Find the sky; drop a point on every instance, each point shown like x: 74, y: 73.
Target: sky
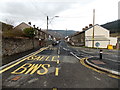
x: 73, y: 14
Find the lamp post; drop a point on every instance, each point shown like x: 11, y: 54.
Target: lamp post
x: 48, y: 20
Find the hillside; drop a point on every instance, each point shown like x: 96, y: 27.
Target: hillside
x: 61, y: 33
x: 113, y: 26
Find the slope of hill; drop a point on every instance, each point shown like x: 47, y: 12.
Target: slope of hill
x: 114, y: 26
x: 61, y: 33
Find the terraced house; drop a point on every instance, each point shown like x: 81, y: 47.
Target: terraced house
x: 101, y: 37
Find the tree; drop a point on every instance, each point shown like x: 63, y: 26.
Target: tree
x: 29, y: 32
x: 9, y: 21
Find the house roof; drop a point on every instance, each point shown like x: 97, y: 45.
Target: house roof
x: 22, y: 25
x: 85, y: 30
x: 76, y: 34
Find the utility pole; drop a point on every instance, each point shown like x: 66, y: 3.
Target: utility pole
x: 47, y: 22
x: 93, y: 28
x: 66, y: 31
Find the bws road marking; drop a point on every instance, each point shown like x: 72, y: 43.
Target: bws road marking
x: 38, y: 58
x: 44, y: 58
x: 29, y: 68
x: 10, y: 66
x: 40, y: 69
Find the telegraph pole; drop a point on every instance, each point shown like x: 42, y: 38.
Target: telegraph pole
x: 93, y: 28
x: 47, y: 22
x: 66, y: 31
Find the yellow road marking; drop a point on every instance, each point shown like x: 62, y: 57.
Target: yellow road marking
x: 54, y: 88
x: 58, y: 61
x: 44, y: 68
x: 1, y: 71
x: 5, y: 69
x: 41, y: 58
x: 82, y: 62
x: 47, y: 58
x: 53, y: 58
x: 23, y: 68
x: 33, y: 68
x: 37, y: 57
x: 56, y: 71
x: 29, y: 68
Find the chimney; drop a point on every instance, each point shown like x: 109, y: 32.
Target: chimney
x: 86, y: 27
x: 90, y: 25
x: 29, y: 23
x: 33, y: 26
x: 83, y: 29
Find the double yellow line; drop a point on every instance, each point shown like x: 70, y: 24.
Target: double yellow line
x: 7, y: 68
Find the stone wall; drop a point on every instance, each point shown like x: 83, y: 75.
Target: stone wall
x: 11, y: 46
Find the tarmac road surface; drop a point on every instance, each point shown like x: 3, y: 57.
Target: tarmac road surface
x: 54, y: 68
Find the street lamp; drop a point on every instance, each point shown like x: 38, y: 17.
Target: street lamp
x: 48, y: 20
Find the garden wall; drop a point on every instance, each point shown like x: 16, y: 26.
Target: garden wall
x: 12, y: 46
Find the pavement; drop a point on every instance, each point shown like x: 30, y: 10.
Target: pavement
x: 104, y: 65
x: 109, y: 63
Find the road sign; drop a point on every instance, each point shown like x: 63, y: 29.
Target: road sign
x: 97, y: 44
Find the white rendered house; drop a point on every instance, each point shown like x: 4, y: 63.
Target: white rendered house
x: 101, y: 37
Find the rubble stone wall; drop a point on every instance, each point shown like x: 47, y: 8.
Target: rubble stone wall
x: 12, y: 46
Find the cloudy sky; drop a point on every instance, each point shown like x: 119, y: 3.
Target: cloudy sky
x: 73, y: 14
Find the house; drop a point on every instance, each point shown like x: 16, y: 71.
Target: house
x: 101, y: 37
x: 5, y: 26
x: 22, y: 26
x: 77, y: 39
x: 42, y: 35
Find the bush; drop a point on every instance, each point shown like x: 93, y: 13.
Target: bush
x: 29, y: 32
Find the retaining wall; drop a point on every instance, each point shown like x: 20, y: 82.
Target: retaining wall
x: 12, y: 46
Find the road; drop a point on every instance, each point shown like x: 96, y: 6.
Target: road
x: 54, y: 68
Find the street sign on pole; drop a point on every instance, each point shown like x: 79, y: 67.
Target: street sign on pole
x: 97, y: 44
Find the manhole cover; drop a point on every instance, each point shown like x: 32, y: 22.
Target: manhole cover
x: 97, y: 62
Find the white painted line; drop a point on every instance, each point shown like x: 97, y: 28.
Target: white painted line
x: 78, y: 57
x: 58, y: 52
x: 97, y: 78
x: 86, y: 51
x: 65, y: 49
x: 75, y: 55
